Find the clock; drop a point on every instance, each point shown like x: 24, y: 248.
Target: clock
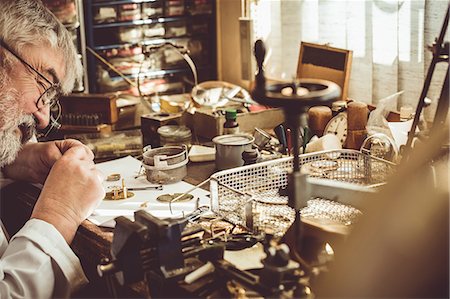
x: 338, y: 126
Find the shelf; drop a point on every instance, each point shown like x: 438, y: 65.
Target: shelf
x: 99, y: 39
x: 106, y: 3
x: 138, y: 22
x: 148, y: 42
x: 161, y: 73
x: 154, y: 74
x: 148, y: 21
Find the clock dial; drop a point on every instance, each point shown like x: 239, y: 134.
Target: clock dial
x: 338, y: 126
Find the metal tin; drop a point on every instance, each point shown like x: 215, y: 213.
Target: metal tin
x: 166, y: 165
x: 175, y: 135
x: 229, y: 149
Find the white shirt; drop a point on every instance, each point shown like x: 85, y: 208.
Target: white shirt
x: 38, y: 262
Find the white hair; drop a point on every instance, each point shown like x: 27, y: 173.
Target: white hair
x: 29, y: 22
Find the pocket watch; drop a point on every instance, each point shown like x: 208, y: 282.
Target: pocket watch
x: 338, y: 126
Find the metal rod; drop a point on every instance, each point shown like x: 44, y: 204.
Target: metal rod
x: 187, y: 192
x: 294, y: 123
x: 111, y: 67
x: 436, y: 53
x: 443, y: 104
x: 160, y: 187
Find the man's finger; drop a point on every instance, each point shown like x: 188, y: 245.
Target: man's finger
x: 65, y: 145
x: 79, y: 153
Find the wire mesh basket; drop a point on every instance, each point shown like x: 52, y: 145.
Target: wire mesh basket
x: 255, y: 195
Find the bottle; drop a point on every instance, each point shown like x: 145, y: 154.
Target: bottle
x: 230, y: 126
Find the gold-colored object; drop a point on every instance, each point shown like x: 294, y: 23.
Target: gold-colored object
x: 170, y: 197
x: 113, y: 177
x: 236, y: 290
x: 118, y: 194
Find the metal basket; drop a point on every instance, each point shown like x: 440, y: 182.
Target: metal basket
x: 256, y: 193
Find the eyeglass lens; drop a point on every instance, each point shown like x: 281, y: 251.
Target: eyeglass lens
x: 49, y: 97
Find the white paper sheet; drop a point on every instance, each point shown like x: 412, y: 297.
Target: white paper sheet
x: 400, y: 131
x: 128, y: 168
x: 246, y: 259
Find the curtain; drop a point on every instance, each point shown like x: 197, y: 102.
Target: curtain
x: 389, y: 40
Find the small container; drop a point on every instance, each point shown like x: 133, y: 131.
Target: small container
x: 230, y: 126
x: 261, y: 138
x: 166, y: 165
x: 250, y: 156
x: 130, y: 12
x: 175, y: 135
x: 229, y: 149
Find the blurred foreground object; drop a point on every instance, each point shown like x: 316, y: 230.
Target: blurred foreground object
x: 401, y: 247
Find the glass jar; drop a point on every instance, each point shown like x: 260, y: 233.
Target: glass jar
x: 230, y: 126
x: 175, y: 135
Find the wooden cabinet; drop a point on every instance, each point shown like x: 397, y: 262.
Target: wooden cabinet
x: 121, y: 31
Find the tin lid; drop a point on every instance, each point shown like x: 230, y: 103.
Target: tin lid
x: 233, y: 139
x: 174, y: 131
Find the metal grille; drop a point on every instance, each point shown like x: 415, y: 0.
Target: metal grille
x: 254, y: 195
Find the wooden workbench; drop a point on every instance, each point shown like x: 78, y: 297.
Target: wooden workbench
x: 91, y: 243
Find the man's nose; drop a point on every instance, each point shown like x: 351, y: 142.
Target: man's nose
x: 42, y: 116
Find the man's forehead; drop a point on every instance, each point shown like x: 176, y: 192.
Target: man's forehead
x: 48, y: 60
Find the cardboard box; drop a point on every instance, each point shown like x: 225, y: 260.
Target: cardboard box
x: 207, y: 124
x: 327, y: 63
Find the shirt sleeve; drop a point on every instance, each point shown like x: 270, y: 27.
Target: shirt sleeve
x: 38, y: 263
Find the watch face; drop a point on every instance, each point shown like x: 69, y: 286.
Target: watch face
x: 338, y: 126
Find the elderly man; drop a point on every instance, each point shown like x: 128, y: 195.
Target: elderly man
x: 37, y: 63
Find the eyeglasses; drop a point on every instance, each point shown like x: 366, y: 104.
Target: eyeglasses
x: 51, y: 94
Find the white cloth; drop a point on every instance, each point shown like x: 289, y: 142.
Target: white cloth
x: 38, y: 263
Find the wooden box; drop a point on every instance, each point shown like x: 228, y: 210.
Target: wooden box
x: 324, y: 62
x: 103, y: 105
x: 207, y: 124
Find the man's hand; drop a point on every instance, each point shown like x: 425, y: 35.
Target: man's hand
x: 71, y: 192
x: 35, y: 160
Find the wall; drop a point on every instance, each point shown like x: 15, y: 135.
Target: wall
x: 228, y: 47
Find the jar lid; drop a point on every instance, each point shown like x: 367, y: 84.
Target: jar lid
x: 174, y: 131
x: 233, y: 139
x: 230, y: 114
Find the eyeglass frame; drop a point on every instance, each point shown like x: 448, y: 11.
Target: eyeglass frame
x: 53, y: 86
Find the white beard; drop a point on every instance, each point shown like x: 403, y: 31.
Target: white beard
x: 16, y: 128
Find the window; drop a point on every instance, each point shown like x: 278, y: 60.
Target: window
x: 388, y: 39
